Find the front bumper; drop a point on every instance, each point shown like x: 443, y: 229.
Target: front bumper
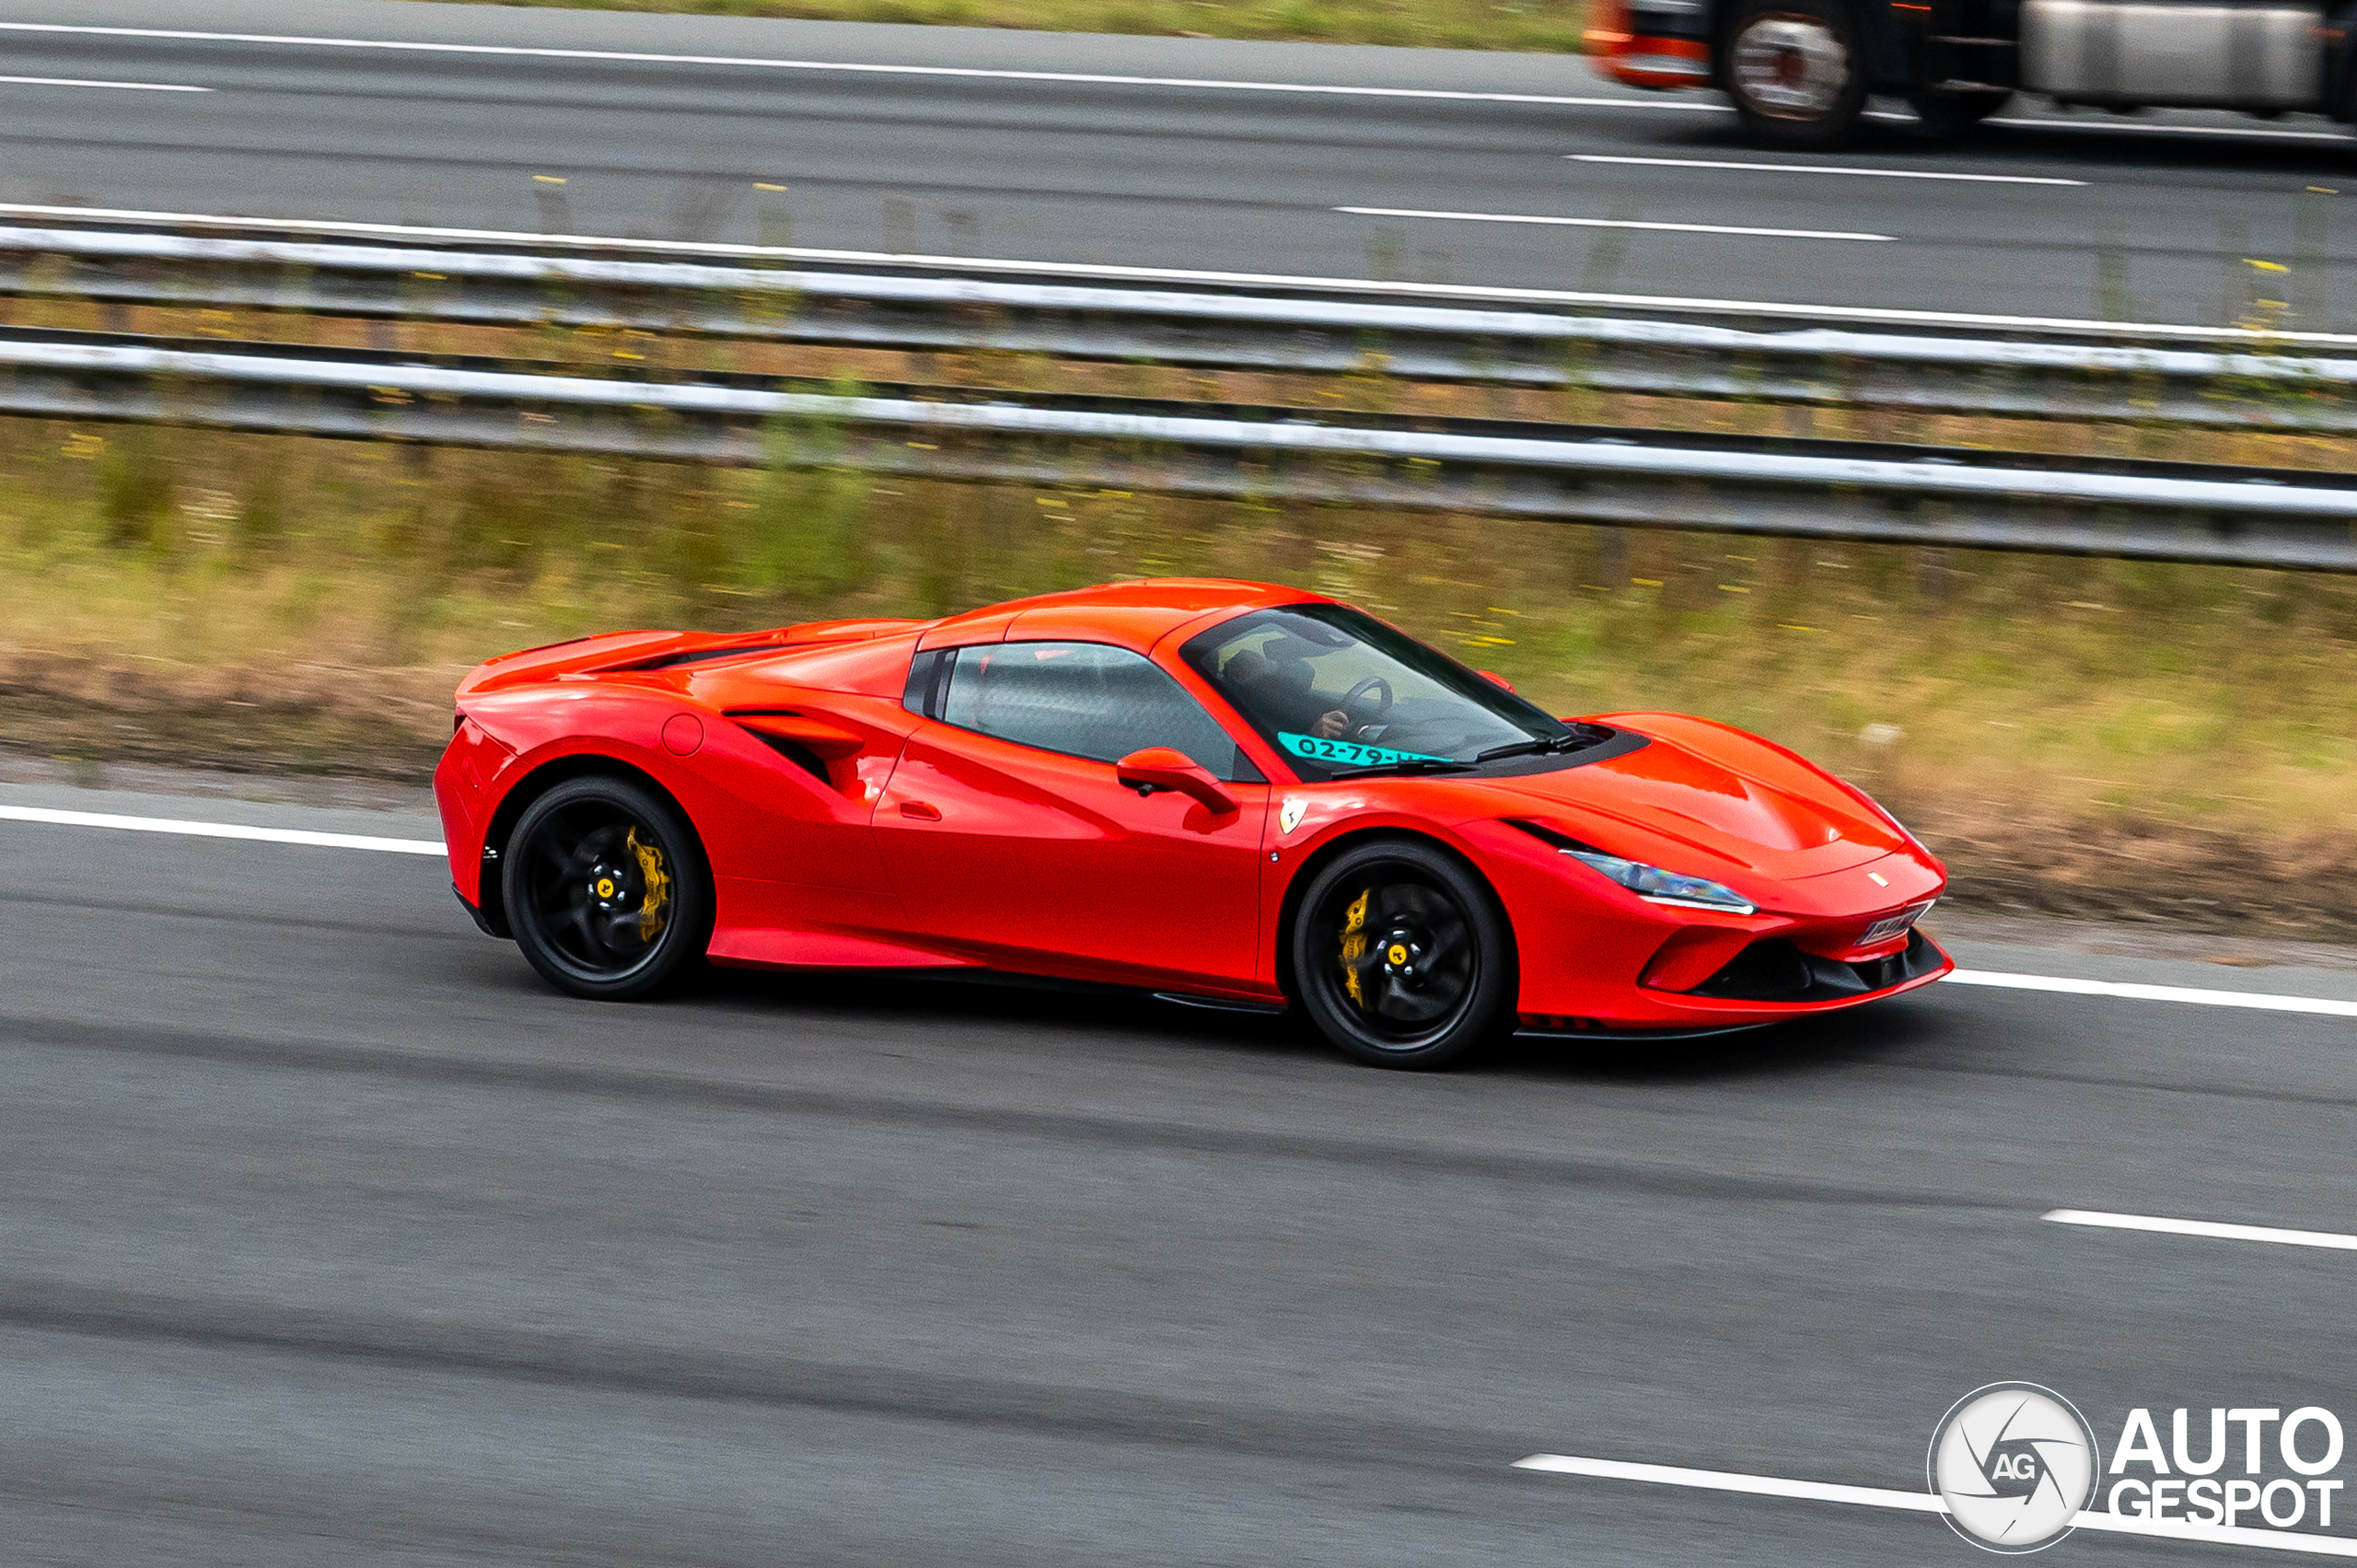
x: 1594, y: 957
x: 1769, y: 982
x: 483, y: 923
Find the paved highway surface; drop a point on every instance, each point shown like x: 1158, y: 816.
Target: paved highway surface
x: 333, y: 1237
x: 2159, y: 222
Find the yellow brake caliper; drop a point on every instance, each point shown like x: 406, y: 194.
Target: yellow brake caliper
x: 1354, y: 947
x: 658, y: 887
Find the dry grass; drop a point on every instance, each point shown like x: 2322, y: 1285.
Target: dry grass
x: 2088, y: 736
x: 1540, y: 25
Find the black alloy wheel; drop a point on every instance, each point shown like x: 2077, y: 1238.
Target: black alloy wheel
x: 606, y: 889
x: 1402, y: 957
x: 1793, y: 68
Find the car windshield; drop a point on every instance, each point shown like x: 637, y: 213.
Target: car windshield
x: 1335, y: 689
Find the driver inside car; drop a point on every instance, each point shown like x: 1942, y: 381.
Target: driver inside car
x: 1278, y: 695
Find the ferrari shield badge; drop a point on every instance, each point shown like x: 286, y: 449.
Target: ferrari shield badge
x: 1290, y: 814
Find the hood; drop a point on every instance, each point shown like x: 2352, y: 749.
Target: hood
x: 1704, y: 798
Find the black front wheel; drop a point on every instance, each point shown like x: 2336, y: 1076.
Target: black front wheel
x: 1402, y: 957
x: 606, y: 889
x: 1791, y: 68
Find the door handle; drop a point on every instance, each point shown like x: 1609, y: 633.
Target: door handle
x: 920, y: 810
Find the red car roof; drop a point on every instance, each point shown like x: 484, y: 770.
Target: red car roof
x: 1137, y: 614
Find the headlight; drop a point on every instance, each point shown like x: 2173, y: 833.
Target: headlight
x: 1656, y: 886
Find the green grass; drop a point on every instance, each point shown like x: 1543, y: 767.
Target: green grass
x: 1543, y: 25
x: 2098, y: 737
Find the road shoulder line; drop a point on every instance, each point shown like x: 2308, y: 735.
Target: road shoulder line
x: 186, y: 828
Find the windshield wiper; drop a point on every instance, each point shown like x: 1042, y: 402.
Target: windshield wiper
x: 1405, y: 765
x: 1570, y: 741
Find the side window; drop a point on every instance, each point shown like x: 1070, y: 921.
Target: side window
x: 1083, y: 700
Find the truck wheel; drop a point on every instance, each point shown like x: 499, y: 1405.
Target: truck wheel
x: 1791, y: 68
x: 1953, y: 114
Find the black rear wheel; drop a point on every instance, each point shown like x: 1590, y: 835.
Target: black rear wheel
x: 1791, y: 68
x: 1402, y: 957
x: 606, y: 889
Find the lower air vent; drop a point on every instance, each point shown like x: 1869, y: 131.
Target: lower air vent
x: 1774, y: 971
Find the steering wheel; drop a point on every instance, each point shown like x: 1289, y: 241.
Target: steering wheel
x: 1349, y: 703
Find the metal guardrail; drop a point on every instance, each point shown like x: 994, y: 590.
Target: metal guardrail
x: 1958, y: 324
x: 1822, y: 490
x: 1820, y: 365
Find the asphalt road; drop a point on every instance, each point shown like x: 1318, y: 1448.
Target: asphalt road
x: 2166, y: 224
x: 332, y: 1236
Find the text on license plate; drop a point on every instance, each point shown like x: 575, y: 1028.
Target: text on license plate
x: 1892, y: 925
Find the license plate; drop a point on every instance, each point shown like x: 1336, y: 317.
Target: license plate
x: 1893, y: 925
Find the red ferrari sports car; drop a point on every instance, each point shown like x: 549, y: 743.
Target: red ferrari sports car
x: 1229, y: 794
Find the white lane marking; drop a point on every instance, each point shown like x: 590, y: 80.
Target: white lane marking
x: 2264, y: 1001
x: 1617, y: 223
x: 218, y: 831
x: 2210, y: 1228
x: 629, y: 57
x: 1846, y: 313
x: 2127, y: 127
x: 1924, y: 1502
x: 78, y: 82
x: 1731, y: 1481
x: 1826, y: 169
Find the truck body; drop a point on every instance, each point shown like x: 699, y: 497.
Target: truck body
x: 1800, y: 72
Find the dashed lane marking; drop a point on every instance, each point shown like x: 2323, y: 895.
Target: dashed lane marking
x: 1619, y: 223
x: 1826, y: 169
x: 78, y: 82
x: 2209, y: 1228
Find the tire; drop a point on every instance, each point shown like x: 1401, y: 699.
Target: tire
x: 1791, y: 68
x: 607, y: 889
x: 1955, y: 114
x: 1402, y: 957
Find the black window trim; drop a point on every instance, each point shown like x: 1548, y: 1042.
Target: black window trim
x: 928, y: 685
